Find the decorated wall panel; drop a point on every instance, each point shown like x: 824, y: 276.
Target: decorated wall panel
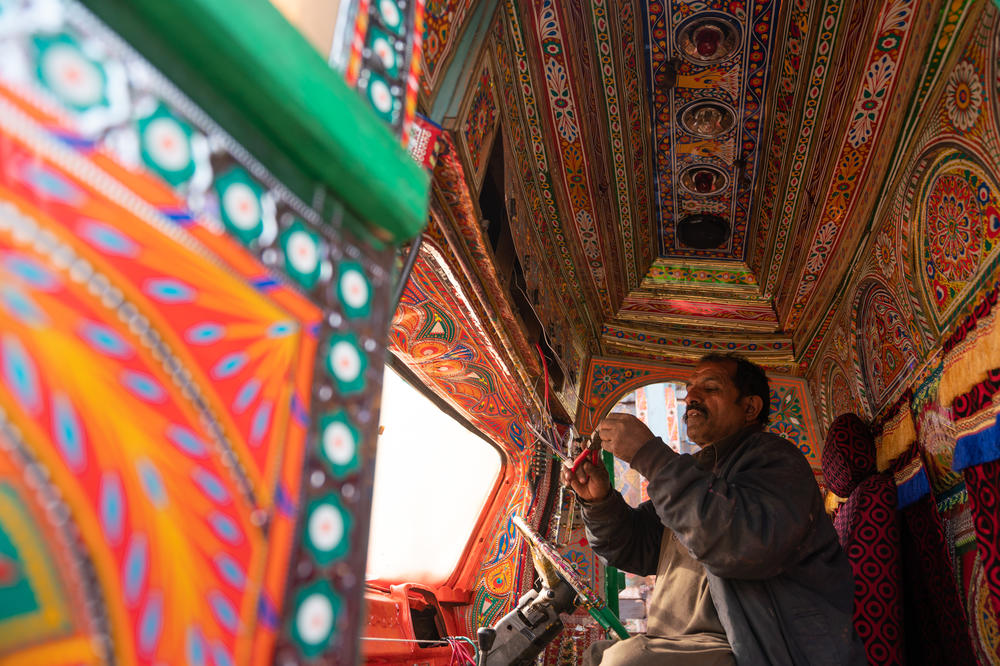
x: 435, y: 332
x: 920, y: 358
x: 530, y: 183
x: 886, y: 351
x: 479, y: 122
x: 454, y: 223
x: 562, y: 108
x: 870, y: 118
x: 931, y: 246
x: 958, y: 218
x: 443, y: 22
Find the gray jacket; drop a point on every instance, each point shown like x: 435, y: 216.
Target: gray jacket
x: 750, y: 511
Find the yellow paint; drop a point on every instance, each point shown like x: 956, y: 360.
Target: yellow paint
x: 76, y: 650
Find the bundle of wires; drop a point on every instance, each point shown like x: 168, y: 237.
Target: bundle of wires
x: 460, y: 653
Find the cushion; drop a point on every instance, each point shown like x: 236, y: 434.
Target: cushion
x: 868, y: 526
x: 848, y: 455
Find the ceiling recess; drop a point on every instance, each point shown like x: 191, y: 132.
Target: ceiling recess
x: 703, y: 231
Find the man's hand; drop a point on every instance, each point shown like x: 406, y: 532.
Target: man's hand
x: 590, y: 482
x: 623, y: 435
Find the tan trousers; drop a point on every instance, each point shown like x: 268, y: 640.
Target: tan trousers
x: 645, y: 650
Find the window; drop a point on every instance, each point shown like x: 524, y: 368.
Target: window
x: 661, y: 407
x: 432, y: 479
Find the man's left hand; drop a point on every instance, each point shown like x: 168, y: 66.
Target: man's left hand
x: 623, y: 435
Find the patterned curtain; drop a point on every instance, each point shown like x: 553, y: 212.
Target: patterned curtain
x: 971, y: 385
x: 937, y: 628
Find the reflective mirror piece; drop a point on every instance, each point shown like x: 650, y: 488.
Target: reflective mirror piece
x: 707, y: 118
x: 703, y: 180
x: 708, y: 40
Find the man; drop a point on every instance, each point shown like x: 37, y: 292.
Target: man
x: 749, y: 568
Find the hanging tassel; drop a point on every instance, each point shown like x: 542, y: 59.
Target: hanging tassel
x: 967, y: 363
x: 898, y: 434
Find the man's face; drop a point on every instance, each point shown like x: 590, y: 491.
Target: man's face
x: 715, y: 409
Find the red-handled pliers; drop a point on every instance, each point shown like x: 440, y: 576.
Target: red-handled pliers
x: 592, y: 452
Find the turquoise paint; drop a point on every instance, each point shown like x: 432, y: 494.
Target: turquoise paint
x: 455, y: 81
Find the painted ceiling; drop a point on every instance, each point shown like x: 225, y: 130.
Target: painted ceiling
x: 685, y: 175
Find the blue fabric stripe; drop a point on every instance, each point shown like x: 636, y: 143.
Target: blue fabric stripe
x: 913, y: 489
x: 977, y: 448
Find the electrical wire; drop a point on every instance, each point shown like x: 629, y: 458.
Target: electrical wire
x: 460, y: 655
x: 545, y: 335
x: 548, y: 442
x: 548, y: 341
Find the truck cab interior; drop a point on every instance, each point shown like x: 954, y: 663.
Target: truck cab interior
x: 304, y: 305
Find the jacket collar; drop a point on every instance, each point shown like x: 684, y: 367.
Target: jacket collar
x: 713, y: 454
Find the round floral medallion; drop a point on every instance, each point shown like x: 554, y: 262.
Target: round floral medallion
x: 242, y: 206
x: 72, y: 76
x: 339, y: 443
x: 964, y: 96
x: 167, y: 144
x: 885, y: 254
x: 954, y: 229
x: 314, y: 619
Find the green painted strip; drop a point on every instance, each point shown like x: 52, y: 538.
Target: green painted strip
x: 612, y: 582
x: 609, y: 621
x: 249, y: 69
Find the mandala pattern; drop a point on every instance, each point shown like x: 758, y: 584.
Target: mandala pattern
x: 961, y: 229
x: 954, y: 234
x: 964, y: 96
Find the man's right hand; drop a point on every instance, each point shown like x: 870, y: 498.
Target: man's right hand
x: 590, y: 482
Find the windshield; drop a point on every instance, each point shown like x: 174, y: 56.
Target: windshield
x: 432, y: 479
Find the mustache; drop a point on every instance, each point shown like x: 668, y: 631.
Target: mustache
x: 696, y: 405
